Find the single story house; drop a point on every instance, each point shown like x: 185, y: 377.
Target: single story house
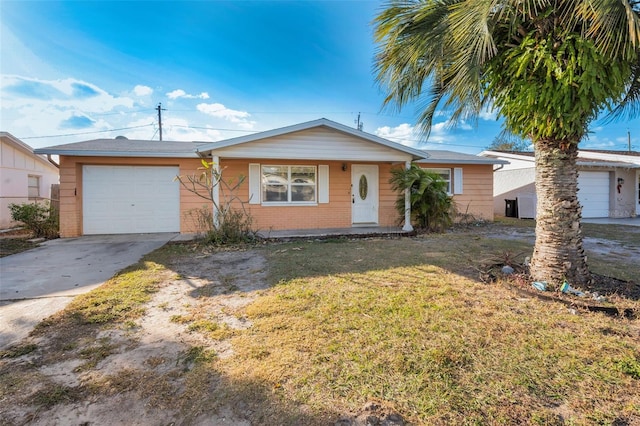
x: 608, y: 182
x: 24, y: 176
x: 314, y: 175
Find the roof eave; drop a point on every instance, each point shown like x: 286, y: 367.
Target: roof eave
x: 150, y: 154
x: 604, y: 164
x: 451, y: 161
x: 27, y: 149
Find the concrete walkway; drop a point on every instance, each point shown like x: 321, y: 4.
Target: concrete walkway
x: 364, y: 231
x: 38, y: 283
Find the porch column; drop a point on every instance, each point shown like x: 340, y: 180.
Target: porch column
x: 215, y: 190
x: 407, y: 205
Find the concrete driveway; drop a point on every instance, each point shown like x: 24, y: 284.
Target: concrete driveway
x: 37, y: 283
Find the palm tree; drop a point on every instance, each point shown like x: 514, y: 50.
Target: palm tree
x: 549, y: 67
x: 432, y: 208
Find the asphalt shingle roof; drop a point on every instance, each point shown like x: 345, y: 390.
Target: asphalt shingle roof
x: 125, y: 148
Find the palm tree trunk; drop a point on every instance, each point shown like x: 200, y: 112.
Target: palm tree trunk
x: 558, y: 252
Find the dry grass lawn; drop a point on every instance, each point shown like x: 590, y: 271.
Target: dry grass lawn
x: 341, y: 332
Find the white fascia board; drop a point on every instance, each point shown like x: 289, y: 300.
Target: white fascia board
x: 498, y: 155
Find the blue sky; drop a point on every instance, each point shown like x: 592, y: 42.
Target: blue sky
x: 82, y: 70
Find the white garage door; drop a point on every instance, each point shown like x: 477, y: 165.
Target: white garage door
x: 593, y: 193
x: 130, y: 199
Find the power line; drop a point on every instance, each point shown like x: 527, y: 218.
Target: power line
x: 87, y: 133
x: 212, y: 128
x: 118, y: 112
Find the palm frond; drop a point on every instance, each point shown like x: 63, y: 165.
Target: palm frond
x: 629, y: 107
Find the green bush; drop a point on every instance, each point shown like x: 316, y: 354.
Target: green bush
x: 40, y: 218
x: 432, y: 208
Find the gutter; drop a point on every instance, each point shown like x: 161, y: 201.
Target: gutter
x: 51, y: 161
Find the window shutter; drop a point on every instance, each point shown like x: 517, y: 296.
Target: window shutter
x: 457, y: 180
x: 254, y: 183
x: 323, y: 184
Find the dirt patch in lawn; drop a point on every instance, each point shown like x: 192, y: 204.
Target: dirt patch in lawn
x: 141, y: 366
x: 617, y: 254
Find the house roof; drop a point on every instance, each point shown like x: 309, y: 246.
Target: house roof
x: 610, y: 152
x: 443, y: 156
x: 322, y: 122
x: 121, y: 147
x: 581, y: 162
x: 586, y: 157
x: 124, y: 148
x: 19, y: 145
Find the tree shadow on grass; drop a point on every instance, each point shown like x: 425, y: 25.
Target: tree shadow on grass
x: 459, y: 253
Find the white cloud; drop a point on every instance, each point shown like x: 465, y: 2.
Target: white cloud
x: 69, y: 110
x: 218, y: 110
x: 489, y: 113
x: 18, y: 92
x: 141, y: 90
x: 38, y: 107
x: 178, y: 129
x: 594, y: 142
x: 464, y: 125
x: 179, y: 93
x: 409, y: 135
x: 404, y: 133
x: 173, y: 129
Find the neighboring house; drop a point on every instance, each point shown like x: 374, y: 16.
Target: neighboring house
x: 314, y: 175
x: 608, y: 182
x: 24, y: 176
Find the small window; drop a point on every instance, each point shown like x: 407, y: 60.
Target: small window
x: 289, y: 184
x: 445, y: 174
x: 34, y: 187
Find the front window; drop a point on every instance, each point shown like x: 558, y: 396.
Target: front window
x: 34, y: 187
x: 289, y: 184
x: 445, y: 174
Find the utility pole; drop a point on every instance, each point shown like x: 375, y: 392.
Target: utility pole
x: 358, y: 123
x: 160, y: 109
x: 629, y: 139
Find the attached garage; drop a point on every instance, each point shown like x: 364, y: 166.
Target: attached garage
x: 593, y: 193
x: 130, y: 199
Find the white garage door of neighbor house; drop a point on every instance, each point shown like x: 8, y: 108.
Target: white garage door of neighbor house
x: 130, y: 199
x: 593, y: 193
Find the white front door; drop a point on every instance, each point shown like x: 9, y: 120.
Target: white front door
x: 364, y: 194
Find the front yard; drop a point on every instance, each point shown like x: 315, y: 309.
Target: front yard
x: 345, y: 332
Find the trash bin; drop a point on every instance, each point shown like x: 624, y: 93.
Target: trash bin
x: 511, y: 208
